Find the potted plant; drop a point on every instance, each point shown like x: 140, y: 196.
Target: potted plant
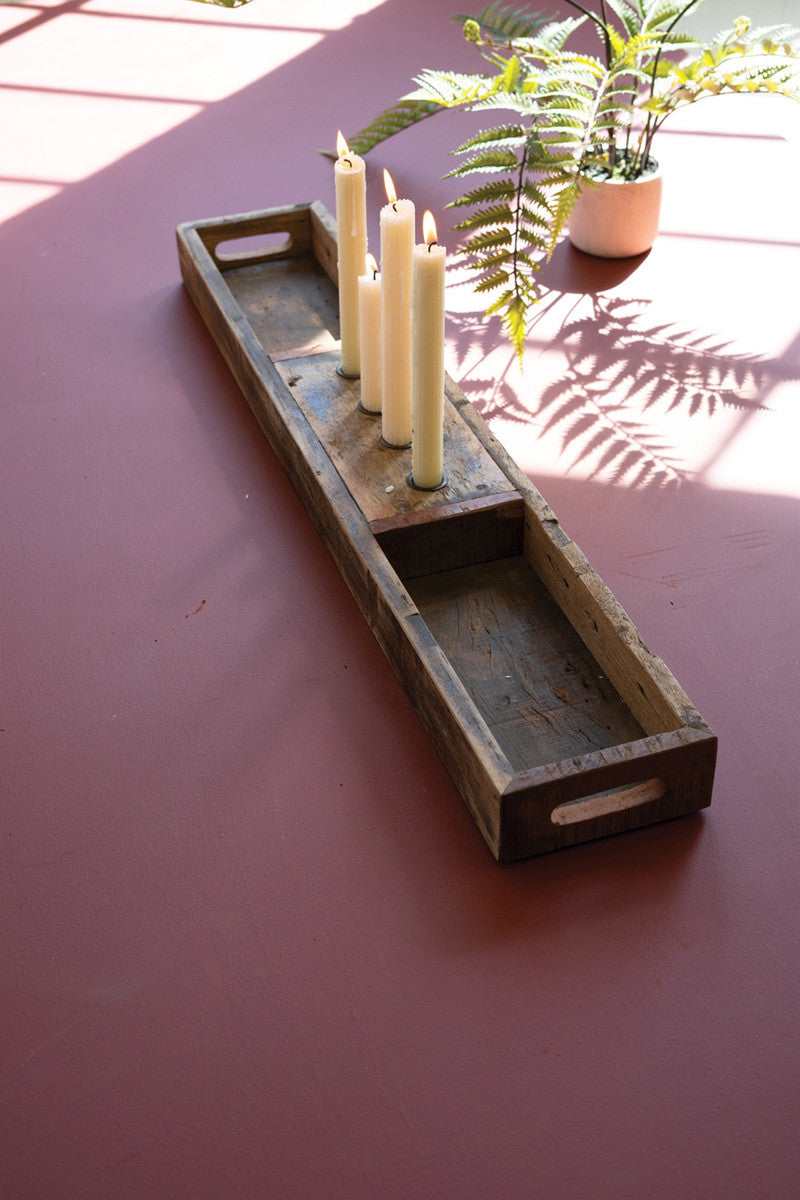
x: 578, y: 125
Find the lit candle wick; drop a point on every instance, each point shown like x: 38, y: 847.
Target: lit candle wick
x: 372, y: 265
x: 342, y: 149
x: 391, y: 193
x: 429, y: 231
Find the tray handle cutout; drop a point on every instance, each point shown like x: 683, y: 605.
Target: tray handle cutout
x: 601, y: 804
x: 253, y: 248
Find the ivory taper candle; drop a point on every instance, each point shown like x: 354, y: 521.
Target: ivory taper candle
x: 427, y: 360
x: 351, y: 228
x: 369, y: 318
x: 397, y: 244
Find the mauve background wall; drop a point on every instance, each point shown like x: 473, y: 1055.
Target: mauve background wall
x: 253, y: 944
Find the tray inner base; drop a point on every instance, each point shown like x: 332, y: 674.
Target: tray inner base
x: 290, y: 304
x: 537, y: 686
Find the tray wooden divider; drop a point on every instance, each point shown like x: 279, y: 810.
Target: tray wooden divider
x: 556, y: 723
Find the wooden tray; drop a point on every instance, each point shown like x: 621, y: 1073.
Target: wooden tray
x: 554, y: 720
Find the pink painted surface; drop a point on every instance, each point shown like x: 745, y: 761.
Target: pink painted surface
x: 253, y: 945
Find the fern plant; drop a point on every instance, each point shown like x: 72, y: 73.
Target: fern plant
x: 570, y: 117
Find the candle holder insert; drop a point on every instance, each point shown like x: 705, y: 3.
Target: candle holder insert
x: 421, y: 487
x: 556, y: 723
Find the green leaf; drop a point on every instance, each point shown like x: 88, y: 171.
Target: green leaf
x: 626, y: 13
x: 510, y: 76
x: 487, y: 240
x: 495, y: 189
x: 496, y: 215
x: 499, y: 303
x: 495, y: 280
x: 452, y: 88
x: 393, y: 120
x: 530, y: 218
x: 531, y: 192
x: 491, y: 160
x: 501, y: 21
x: 515, y: 326
x: 493, y: 259
x: 505, y: 135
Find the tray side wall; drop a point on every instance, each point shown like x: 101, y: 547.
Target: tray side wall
x: 680, y: 763
x: 645, y: 683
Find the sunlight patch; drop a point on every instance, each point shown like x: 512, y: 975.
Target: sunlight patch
x: 16, y: 198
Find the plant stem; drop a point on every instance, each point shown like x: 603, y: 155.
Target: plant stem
x: 520, y: 184
x: 662, y: 38
x: 601, y: 25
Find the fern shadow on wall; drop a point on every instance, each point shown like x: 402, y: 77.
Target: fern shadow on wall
x: 624, y: 373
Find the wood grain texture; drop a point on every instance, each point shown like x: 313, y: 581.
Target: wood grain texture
x: 530, y: 679
x: 459, y: 534
x: 642, y: 679
x: 541, y: 693
x: 683, y: 760
x: 376, y: 474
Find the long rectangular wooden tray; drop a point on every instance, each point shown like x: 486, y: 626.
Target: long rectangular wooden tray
x: 555, y: 722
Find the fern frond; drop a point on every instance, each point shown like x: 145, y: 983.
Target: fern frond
x: 451, y: 88
x: 393, y: 120
x: 616, y: 42
x: 664, y: 14
x: 499, y: 302
x: 553, y: 37
x: 515, y: 326
x: 564, y: 204
x: 496, y: 189
x: 528, y: 217
x: 495, y: 280
x: 503, y: 136
x: 501, y: 21
x: 484, y: 217
x: 488, y: 240
x: 494, y: 259
x: 626, y: 14
x: 491, y: 160
x: 531, y: 192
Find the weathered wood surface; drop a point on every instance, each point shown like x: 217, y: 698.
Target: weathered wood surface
x: 680, y: 762
x: 377, y: 475
x: 536, y: 685
x: 530, y: 679
x: 428, y: 540
x: 648, y: 687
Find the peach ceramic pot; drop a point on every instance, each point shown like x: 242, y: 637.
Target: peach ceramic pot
x: 617, y: 218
